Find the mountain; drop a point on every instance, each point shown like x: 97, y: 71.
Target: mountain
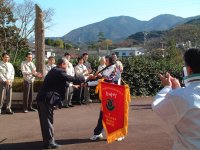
x: 162, y: 22
x: 181, y: 32
x: 115, y: 28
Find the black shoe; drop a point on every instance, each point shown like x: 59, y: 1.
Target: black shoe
x: 71, y: 105
x: 66, y: 106
x: 79, y: 103
x: 52, y: 146
x: 9, y: 111
x: 33, y: 109
x: 84, y: 102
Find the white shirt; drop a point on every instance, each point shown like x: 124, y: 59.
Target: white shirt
x: 48, y: 67
x: 70, y: 70
x: 7, y: 71
x: 119, y: 65
x: 180, y: 108
x: 100, y: 67
x: 106, y: 74
x: 108, y: 71
x: 27, y: 68
x: 79, y: 69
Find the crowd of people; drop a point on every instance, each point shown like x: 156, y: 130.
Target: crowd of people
x: 80, y: 93
x: 177, y: 106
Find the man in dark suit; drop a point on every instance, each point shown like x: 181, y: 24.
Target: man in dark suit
x: 51, y: 94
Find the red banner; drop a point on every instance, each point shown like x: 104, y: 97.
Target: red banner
x: 115, y: 105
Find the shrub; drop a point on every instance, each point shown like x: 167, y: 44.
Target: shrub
x: 141, y: 73
x: 18, y: 85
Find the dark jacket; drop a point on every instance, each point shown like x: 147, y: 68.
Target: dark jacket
x: 56, y: 81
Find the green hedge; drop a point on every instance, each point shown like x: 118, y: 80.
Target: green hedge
x: 18, y: 85
x: 141, y: 73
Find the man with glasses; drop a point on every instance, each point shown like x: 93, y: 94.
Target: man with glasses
x: 7, y: 73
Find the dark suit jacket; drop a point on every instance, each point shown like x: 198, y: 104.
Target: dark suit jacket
x: 56, y: 81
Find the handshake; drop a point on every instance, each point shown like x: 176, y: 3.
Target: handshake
x: 168, y: 80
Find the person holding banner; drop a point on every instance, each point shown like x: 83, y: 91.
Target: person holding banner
x: 108, y: 74
x: 180, y: 106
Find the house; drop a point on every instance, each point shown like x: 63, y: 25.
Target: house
x: 128, y: 51
x: 49, y: 51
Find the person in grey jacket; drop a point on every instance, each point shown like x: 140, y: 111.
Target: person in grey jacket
x: 29, y: 73
x: 7, y: 73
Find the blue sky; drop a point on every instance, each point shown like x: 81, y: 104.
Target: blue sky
x: 71, y: 14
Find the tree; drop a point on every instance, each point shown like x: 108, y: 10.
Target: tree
x: 106, y: 43
x: 7, y: 27
x: 67, y: 46
x: 25, y: 14
x: 59, y: 43
x: 49, y: 42
x: 173, y: 54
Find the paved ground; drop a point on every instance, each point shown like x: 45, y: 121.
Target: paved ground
x: 74, y: 126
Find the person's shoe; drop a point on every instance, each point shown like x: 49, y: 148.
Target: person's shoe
x: 26, y: 111
x: 52, y: 146
x: 33, y: 109
x: 96, y: 137
x: 9, y: 111
x: 84, y: 102
x: 66, y: 106
x: 89, y: 101
x: 71, y: 105
x: 120, y: 139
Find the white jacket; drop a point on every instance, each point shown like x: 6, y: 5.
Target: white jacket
x: 7, y: 71
x: 27, y: 68
x: 180, y: 108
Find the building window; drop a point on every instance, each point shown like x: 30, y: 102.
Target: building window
x: 123, y: 54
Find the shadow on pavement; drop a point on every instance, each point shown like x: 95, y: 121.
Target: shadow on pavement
x: 38, y: 145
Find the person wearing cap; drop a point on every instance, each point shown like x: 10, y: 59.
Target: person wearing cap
x: 50, y: 64
x: 7, y: 73
x: 29, y: 73
x: 70, y: 89
x: 179, y: 106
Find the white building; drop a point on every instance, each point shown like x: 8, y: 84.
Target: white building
x: 49, y: 51
x: 128, y: 51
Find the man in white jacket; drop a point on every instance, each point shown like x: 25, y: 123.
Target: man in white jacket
x: 180, y: 107
x: 7, y: 73
x: 29, y: 73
